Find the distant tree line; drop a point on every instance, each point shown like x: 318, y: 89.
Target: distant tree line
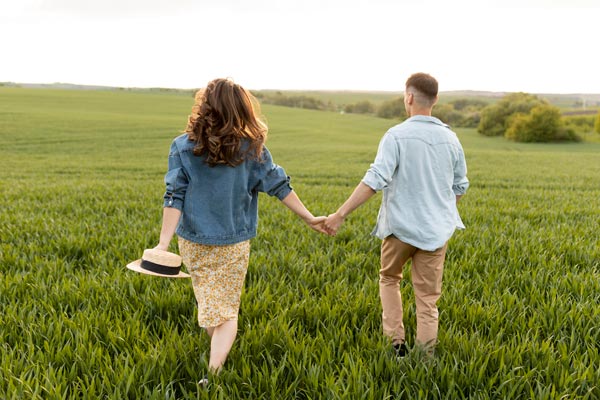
x: 520, y: 117
x: 362, y: 107
x: 463, y: 113
x: 298, y: 101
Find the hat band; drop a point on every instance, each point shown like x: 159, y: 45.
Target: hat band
x: 159, y: 269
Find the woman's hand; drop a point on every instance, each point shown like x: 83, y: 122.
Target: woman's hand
x: 292, y: 201
x: 163, y: 247
x: 317, y: 223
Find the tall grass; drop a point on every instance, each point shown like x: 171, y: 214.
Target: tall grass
x: 81, y: 187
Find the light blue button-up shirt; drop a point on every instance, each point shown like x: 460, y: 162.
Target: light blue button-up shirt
x: 420, y: 166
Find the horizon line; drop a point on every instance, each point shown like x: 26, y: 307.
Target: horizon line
x: 68, y: 85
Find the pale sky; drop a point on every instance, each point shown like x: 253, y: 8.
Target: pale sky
x: 536, y: 46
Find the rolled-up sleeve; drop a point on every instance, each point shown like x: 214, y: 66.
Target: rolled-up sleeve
x: 273, y: 179
x: 461, y: 183
x: 380, y: 174
x: 176, y: 180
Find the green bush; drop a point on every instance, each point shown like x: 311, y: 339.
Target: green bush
x: 597, y: 124
x: 392, y: 109
x: 471, y: 120
x: 468, y: 104
x: 448, y: 114
x: 362, y: 107
x: 442, y: 111
x: 470, y: 110
x: 542, y: 124
x: 495, y: 118
x: 580, y: 123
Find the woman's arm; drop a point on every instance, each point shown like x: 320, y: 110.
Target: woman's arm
x: 176, y: 183
x: 293, y: 202
x: 170, y: 220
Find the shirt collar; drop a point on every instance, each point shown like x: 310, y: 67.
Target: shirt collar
x: 427, y: 118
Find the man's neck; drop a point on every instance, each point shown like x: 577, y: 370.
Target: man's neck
x: 420, y: 111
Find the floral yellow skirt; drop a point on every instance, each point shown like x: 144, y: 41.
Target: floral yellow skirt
x: 218, y: 274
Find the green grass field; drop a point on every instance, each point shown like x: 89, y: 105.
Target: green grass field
x: 81, y: 188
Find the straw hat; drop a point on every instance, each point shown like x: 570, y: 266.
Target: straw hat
x: 159, y: 263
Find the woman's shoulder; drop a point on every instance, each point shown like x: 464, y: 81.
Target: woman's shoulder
x: 182, y: 142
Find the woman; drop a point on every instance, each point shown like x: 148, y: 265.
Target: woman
x: 216, y: 170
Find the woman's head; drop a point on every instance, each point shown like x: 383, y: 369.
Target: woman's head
x: 223, y: 117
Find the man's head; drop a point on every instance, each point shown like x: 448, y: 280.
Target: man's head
x: 421, y: 94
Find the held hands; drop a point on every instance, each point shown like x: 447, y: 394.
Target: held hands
x: 333, y: 223
x: 327, y: 225
x: 316, y: 223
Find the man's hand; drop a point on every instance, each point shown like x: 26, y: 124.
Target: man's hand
x: 333, y: 223
x: 361, y: 194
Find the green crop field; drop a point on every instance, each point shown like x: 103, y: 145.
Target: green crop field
x: 81, y: 188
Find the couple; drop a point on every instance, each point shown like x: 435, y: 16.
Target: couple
x: 220, y: 164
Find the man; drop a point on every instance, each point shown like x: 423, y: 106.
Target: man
x: 420, y: 167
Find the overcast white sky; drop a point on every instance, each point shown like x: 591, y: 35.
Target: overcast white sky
x: 537, y: 46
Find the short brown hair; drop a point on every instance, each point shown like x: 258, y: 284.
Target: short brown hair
x: 224, y: 116
x: 424, y: 83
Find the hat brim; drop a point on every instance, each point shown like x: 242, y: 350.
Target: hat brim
x: 137, y: 267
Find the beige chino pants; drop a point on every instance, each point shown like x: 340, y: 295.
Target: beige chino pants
x: 427, y: 269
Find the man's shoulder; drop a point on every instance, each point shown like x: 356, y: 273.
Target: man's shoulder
x: 408, y: 128
x: 400, y: 128
x: 430, y: 130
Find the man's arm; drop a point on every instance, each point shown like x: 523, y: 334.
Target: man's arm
x: 377, y: 178
x: 361, y: 194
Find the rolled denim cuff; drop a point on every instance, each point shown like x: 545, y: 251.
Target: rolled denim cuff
x: 174, y: 202
x: 283, y: 192
x: 374, y: 181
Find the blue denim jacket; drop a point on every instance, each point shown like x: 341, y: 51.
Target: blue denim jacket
x: 219, y: 204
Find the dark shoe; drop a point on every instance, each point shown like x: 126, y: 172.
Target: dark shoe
x: 400, y: 349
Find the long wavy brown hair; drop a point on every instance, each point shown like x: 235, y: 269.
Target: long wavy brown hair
x: 225, y: 125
